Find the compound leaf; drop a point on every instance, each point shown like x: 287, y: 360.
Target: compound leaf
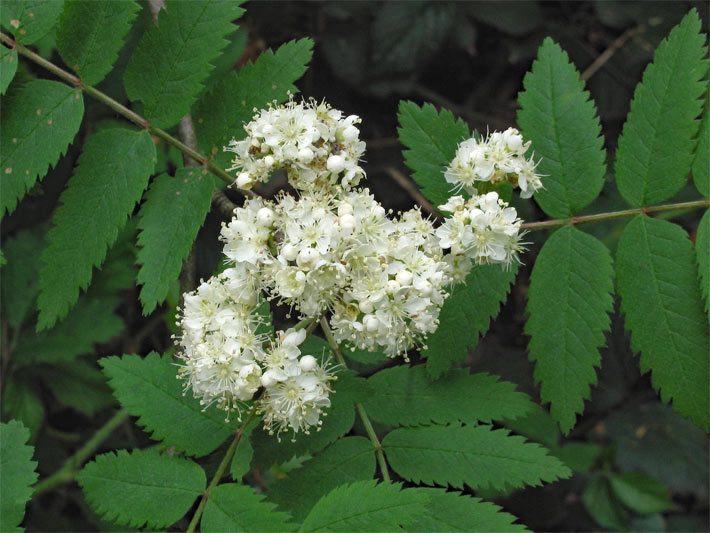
x: 560, y: 119
x: 173, y: 58
x: 366, y: 506
x: 466, y: 315
x: 40, y: 120
x: 569, y: 303
x: 149, y: 388
x: 431, y: 138
x: 477, y: 456
x: 232, y: 507
x: 83, y: 37
x: 658, y: 140
x: 658, y: 283
x: 143, y: 487
x: 110, y: 178
x: 18, y: 474
x: 347, y: 460
x: 169, y: 219
x: 457, y: 397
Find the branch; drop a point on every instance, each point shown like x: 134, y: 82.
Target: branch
x: 120, y: 109
x: 598, y: 217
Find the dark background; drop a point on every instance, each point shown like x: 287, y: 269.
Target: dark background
x: 470, y: 57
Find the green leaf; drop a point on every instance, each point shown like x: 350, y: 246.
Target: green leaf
x: 601, y: 504
x: 79, y: 385
x: 19, y: 277
x: 701, y: 162
x: 347, y: 460
x: 229, y: 58
x: 658, y: 284
x: 232, y: 507
x: 478, y: 456
x: 173, y: 58
x: 40, y: 120
x: 702, y: 250
x: 466, y: 315
x: 569, y: 301
x: 641, y: 493
x: 221, y: 113
x: 22, y: 401
x: 579, y: 456
x: 110, y: 178
x: 143, y: 487
x: 241, y: 462
x: 457, y: 397
x: 18, y: 473
x: 658, y: 140
x: 172, y: 214
x: 30, y: 20
x: 84, y: 40
x: 339, y: 419
x: 8, y: 67
x: 366, y: 506
x: 149, y: 388
x: 560, y: 119
x: 431, y: 139
x: 92, y: 321
x: 452, y: 511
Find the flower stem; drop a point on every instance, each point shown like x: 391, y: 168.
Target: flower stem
x: 362, y: 413
x: 221, y: 470
x: 70, y: 468
x: 598, y: 217
x: 120, y: 109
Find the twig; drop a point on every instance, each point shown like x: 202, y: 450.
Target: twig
x: 607, y: 54
x: 70, y: 468
x: 412, y: 190
x: 362, y: 413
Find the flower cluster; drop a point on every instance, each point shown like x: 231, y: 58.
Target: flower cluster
x: 482, y: 229
x: 500, y: 158
x: 332, y: 252
x: 313, y: 142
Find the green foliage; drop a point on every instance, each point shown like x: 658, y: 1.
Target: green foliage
x: 366, y: 506
x: 641, y: 493
x: 347, y: 460
x: 560, y: 119
x: 431, y: 138
x: 221, y: 113
x: 702, y: 250
x: 115, y: 165
x: 79, y: 385
x: 150, y: 389
x: 21, y: 400
x: 143, y: 487
x: 466, y: 314
x: 233, y: 507
x: 478, y: 456
x: 83, y: 38
x: 8, y: 67
x: 178, y: 52
x: 452, y: 511
x: 18, y: 474
x: 30, y: 20
x: 658, y: 140
x: 40, y: 120
x: 172, y: 214
x: 701, y: 163
x: 658, y: 284
x: 91, y: 321
x: 339, y: 418
x: 241, y: 462
x: 457, y: 397
x: 569, y: 301
x: 19, y: 277
x: 601, y: 504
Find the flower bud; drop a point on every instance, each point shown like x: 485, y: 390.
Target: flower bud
x: 244, y: 181
x: 265, y: 216
x: 289, y: 252
x: 308, y: 363
x: 404, y: 277
x: 335, y: 163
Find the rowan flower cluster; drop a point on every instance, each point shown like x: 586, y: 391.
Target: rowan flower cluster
x: 332, y: 251
x: 499, y: 158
